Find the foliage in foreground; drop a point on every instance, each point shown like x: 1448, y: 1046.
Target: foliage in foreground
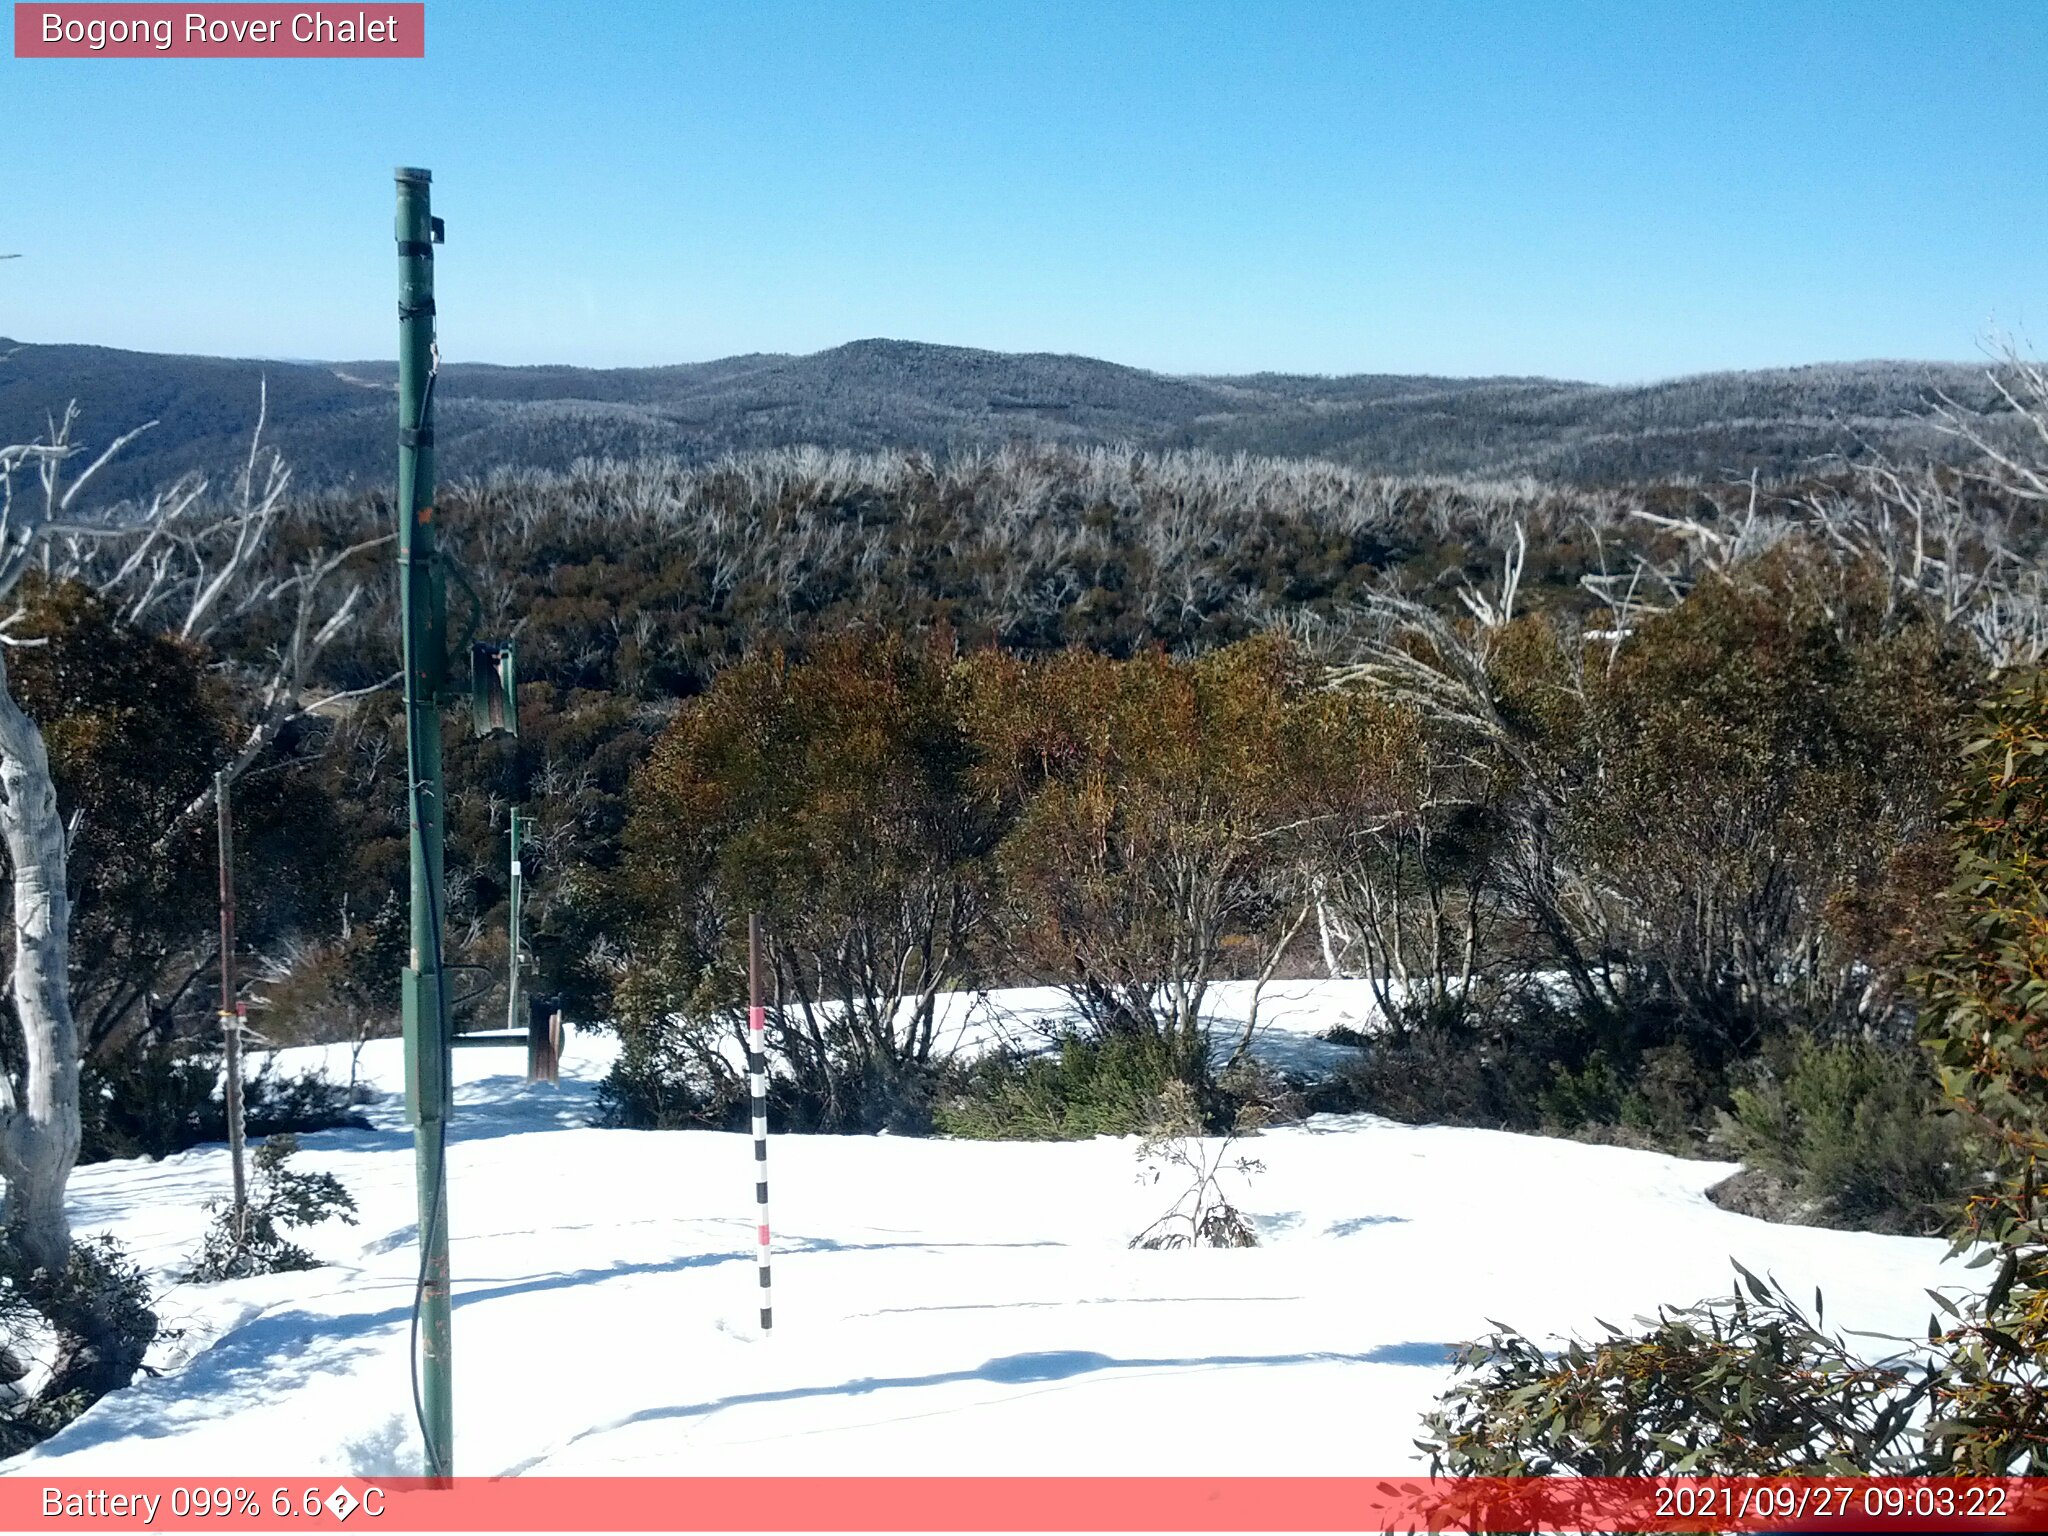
x: 96, y: 1321
x: 1748, y: 1385
x: 1752, y: 1386
x: 1987, y: 1025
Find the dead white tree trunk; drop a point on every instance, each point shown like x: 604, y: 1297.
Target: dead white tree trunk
x: 39, y: 1129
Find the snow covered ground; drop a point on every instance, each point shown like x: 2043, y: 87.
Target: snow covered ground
x: 954, y: 1307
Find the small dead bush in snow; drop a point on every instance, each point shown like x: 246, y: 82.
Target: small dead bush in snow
x: 1173, y: 1150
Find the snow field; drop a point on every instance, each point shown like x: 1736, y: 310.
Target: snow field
x: 941, y: 1307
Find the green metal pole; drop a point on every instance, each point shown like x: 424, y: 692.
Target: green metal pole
x: 512, y: 1019
x: 423, y: 612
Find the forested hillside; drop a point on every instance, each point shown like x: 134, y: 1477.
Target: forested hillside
x: 333, y: 421
x: 1624, y: 803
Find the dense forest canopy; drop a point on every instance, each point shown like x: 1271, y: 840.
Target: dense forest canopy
x: 631, y: 586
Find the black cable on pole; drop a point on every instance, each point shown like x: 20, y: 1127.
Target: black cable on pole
x: 437, y: 1209
x: 437, y: 1455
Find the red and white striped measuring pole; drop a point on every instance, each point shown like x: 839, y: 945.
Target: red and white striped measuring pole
x: 757, y: 1073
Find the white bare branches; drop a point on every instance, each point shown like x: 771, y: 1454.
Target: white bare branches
x: 1944, y: 541
x: 317, y: 619
x: 2021, y: 385
x: 1408, y: 652
x: 194, y: 565
x: 1498, y: 611
x: 27, y: 523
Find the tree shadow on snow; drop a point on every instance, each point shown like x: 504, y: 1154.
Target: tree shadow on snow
x: 278, y: 1351
x: 1073, y: 1301
x: 1039, y: 1366
x: 1351, y: 1224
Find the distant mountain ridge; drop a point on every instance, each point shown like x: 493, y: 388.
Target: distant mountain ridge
x: 335, y: 422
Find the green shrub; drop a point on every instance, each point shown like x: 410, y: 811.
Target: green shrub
x: 1155, y: 807
x: 1758, y: 764
x: 1590, y: 1094
x: 1733, y: 1388
x: 1673, y: 1096
x: 1744, y: 1386
x: 1532, y: 1067
x: 669, y: 1076
x: 152, y: 1100
x: 1118, y: 1085
x: 870, y: 1093
x: 98, y: 1315
x: 832, y: 796
x: 660, y: 1082
x: 253, y: 1242
x: 1986, y: 1022
x: 1444, y: 1070
x: 1107, y: 1087
x: 1664, y: 1097
x: 149, y: 1101
x: 297, y: 1104
x: 1250, y: 1094
x: 1855, y: 1130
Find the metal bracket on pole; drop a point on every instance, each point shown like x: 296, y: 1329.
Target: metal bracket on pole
x: 494, y: 689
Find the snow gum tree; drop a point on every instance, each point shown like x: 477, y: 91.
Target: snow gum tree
x: 100, y: 1337
x: 39, y: 1129
x: 39, y: 1114
x: 831, y: 795
x: 180, y: 565
x: 1987, y: 1025
x: 1159, y: 810
x: 1750, y: 1384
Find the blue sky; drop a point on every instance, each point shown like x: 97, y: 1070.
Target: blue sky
x: 1603, y: 191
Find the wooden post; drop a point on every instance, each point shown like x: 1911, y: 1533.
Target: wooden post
x: 543, y: 1040
x: 230, y: 1018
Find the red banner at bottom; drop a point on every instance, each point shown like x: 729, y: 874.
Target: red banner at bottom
x: 1029, y: 1504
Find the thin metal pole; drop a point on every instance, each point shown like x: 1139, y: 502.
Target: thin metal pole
x: 230, y: 1017
x: 757, y: 1071
x: 517, y: 897
x: 423, y: 612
